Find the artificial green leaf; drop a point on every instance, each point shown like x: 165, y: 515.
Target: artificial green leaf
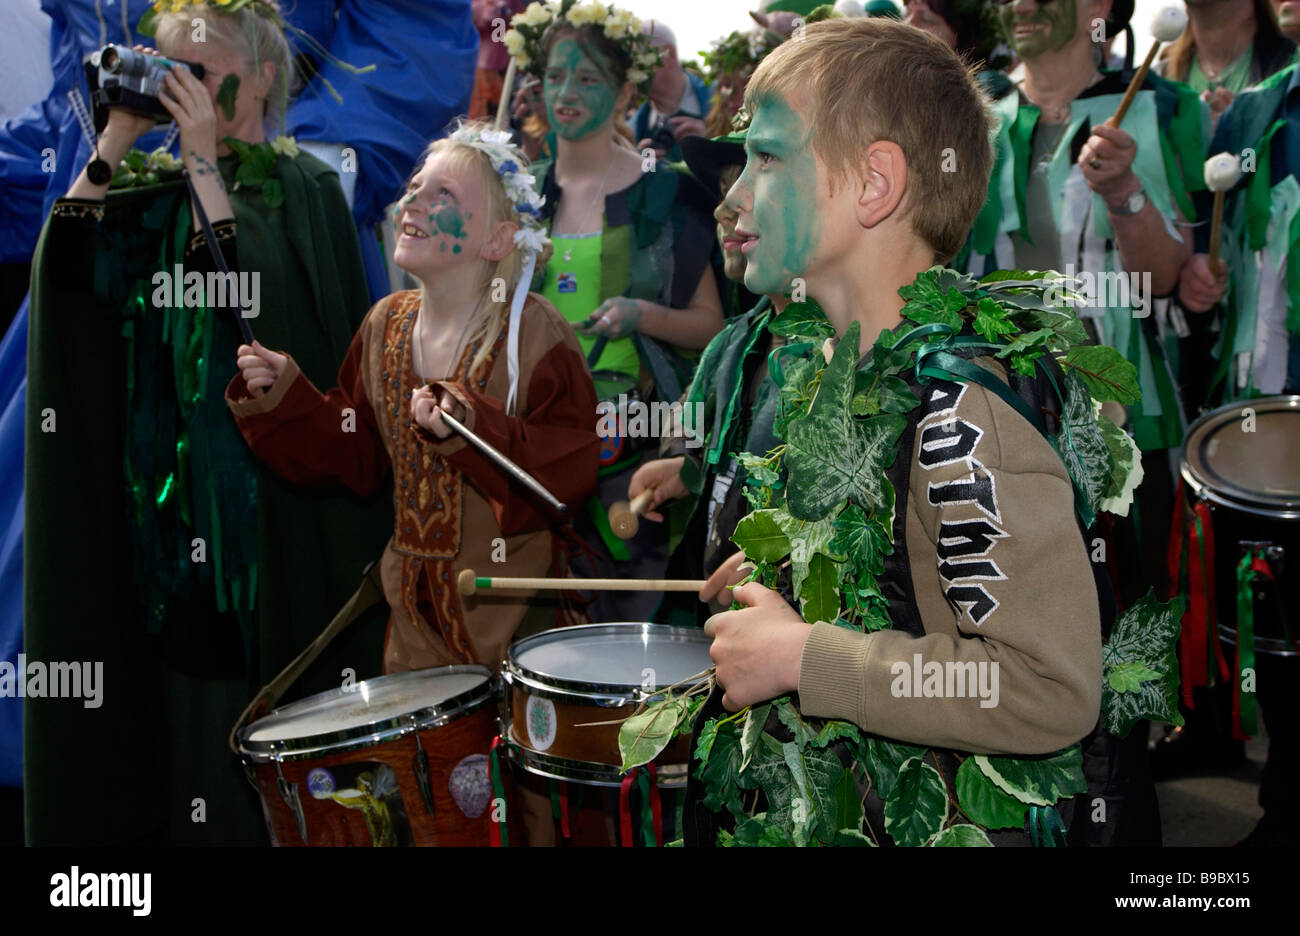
x: 686, y: 726
x: 642, y: 737
x: 273, y: 193
x: 227, y: 92
x: 1129, y: 676
x: 761, y: 538
x: 917, y: 807
x: 927, y: 302
x: 1125, y: 468
x: 1145, y: 636
x: 1081, y: 444
x: 720, y: 774
x: 760, y: 831
x: 896, y: 396
x: 983, y: 801
x: 991, y: 320
x: 848, y: 805
x: 1038, y: 781
x: 1106, y: 373
x: 807, y: 539
x: 947, y: 278
x: 1027, y: 342
x: 802, y: 320
x: 832, y: 456
x: 847, y: 838
x: 864, y: 541
x: 239, y: 147
x: 1063, y: 323
x: 835, y: 731
x: 816, y: 774
x: 792, y: 401
x: 1023, y: 364
x: 755, y: 719
x: 821, y: 590
x: 789, y: 716
x: 962, y: 836
x: 704, y: 743
x: 757, y: 469
x: 884, y: 758
x: 250, y: 175
x: 148, y: 25
x: 1008, y: 278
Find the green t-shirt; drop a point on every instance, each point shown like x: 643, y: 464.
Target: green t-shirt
x: 573, y: 287
x: 1236, y: 77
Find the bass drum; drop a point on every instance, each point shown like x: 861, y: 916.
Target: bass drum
x: 1243, y: 460
x: 397, y: 760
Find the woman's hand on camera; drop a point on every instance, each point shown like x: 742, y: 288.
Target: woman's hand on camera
x: 187, y: 100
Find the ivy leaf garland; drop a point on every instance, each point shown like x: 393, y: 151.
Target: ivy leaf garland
x: 824, y: 508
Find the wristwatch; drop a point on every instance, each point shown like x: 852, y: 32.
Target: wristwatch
x: 1131, y: 206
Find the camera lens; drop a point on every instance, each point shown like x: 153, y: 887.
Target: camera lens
x: 109, y: 60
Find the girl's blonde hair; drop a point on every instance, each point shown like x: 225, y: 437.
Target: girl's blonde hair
x: 499, y: 278
x: 257, y: 38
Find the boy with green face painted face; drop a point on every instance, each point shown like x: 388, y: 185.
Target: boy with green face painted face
x: 844, y: 193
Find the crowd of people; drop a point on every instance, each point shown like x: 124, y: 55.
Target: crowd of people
x: 200, y: 501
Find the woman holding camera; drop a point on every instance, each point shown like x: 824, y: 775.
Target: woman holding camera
x: 632, y: 247
x: 199, y: 574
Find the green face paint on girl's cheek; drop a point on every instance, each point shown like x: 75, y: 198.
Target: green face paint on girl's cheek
x: 1061, y: 17
x: 784, y: 197
x: 573, y: 85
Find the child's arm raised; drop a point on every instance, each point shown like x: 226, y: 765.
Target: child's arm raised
x: 303, y: 435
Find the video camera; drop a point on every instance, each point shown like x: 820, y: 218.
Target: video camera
x: 122, y: 77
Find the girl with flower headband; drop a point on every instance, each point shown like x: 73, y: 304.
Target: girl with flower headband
x: 202, y: 574
x: 473, y: 342
x: 631, y: 265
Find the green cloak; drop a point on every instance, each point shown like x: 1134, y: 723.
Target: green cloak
x: 116, y: 388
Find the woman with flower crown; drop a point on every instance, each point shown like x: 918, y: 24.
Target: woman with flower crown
x: 631, y: 265
x: 198, y: 574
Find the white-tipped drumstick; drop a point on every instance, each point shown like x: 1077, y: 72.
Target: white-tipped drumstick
x: 1166, y: 26
x: 623, y: 515
x: 503, y: 106
x: 467, y: 583
x: 1221, y: 174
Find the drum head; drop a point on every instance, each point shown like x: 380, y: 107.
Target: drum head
x: 372, y: 710
x: 1247, y: 456
x: 612, y: 657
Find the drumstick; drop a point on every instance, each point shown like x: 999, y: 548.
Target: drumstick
x: 1221, y: 174
x: 1166, y: 26
x: 468, y: 583
x: 503, y: 106
x: 510, y: 467
x: 623, y: 516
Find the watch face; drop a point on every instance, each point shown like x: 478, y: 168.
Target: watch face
x: 1136, y: 201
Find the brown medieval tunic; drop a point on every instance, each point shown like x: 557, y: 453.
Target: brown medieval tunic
x: 455, y: 509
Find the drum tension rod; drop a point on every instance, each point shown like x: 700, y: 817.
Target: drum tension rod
x: 422, y: 769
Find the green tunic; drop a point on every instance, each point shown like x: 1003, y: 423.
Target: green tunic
x: 131, y: 459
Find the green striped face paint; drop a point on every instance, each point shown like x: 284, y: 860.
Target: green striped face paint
x: 580, y: 98
x: 779, y: 183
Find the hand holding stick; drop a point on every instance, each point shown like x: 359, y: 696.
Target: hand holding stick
x: 1166, y: 26
x: 623, y: 515
x: 1221, y: 174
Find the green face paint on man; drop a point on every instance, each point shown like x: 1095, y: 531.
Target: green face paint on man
x: 776, y: 197
x: 579, y: 95
x: 1048, y: 28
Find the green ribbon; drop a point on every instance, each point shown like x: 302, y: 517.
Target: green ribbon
x: 1246, y: 637
x: 498, y: 793
x: 647, y: 813
x: 1046, y: 829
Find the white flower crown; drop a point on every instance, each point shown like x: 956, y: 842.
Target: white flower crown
x: 508, y: 160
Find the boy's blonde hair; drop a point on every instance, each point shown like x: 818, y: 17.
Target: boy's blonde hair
x: 493, y: 314
x: 877, y: 79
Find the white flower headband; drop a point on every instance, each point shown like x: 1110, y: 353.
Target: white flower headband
x: 523, y: 38
x: 507, y: 160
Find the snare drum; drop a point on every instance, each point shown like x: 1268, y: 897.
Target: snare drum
x: 397, y: 760
x: 1242, y: 461
x: 562, y: 680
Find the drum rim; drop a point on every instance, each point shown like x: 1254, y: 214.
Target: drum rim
x: 556, y: 687
x: 1205, y: 488
x: 589, y: 773
x: 371, y: 733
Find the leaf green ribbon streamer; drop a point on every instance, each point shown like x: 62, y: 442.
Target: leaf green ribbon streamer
x: 647, y: 812
x: 498, y: 793
x: 1046, y: 829
x: 1259, y: 207
x: 1246, y: 637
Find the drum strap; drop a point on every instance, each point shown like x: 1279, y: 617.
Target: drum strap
x: 369, y: 594
x: 652, y: 823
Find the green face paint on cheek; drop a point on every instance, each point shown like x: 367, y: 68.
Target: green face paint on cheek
x: 575, y: 80
x: 1060, y: 17
x: 784, y: 197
